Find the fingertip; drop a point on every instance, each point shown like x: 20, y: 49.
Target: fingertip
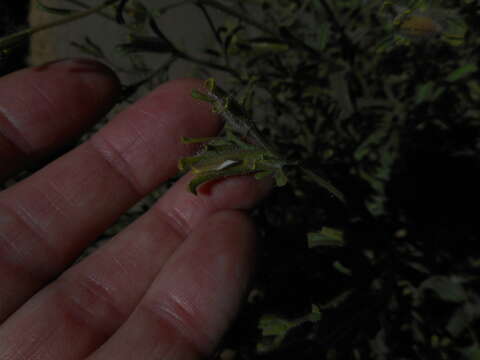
x: 42, y: 108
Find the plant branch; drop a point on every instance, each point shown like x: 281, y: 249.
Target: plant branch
x: 179, y: 53
x: 215, y: 32
x: 234, y: 13
x: 348, y: 43
x: 292, y: 41
x: 85, y: 6
x: 198, y: 61
x: 12, y: 39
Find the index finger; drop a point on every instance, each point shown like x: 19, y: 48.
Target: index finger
x: 44, y: 107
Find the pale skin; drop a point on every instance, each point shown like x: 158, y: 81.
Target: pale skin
x: 169, y: 285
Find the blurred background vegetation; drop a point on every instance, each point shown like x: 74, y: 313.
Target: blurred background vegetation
x: 382, y: 98
x: 12, y: 18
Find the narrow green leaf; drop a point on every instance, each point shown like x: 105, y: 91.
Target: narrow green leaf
x: 323, y: 35
x: 384, y: 45
x: 275, y: 326
x: 199, y: 180
x: 280, y: 178
x: 189, y: 140
x: 213, y: 164
x: 210, y: 84
x: 187, y: 162
x: 326, y: 237
x: 262, y: 174
x: 439, y: 91
x: 423, y: 92
x: 462, y: 72
x: 269, y: 47
x: 89, y: 47
x: 341, y: 268
x: 375, y: 138
x: 325, y: 184
x: 201, y: 96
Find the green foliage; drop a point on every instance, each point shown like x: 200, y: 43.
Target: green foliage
x: 447, y: 289
x: 462, y: 72
x: 420, y: 21
x: 326, y: 237
x: 275, y: 328
x: 241, y: 151
x: 89, y: 47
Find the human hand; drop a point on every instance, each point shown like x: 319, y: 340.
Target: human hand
x: 164, y: 288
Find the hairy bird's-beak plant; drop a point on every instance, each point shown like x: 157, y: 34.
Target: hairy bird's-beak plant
x: 380, y: 97
x: 241, y: 151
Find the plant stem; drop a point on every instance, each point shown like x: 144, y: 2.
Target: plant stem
x: 347, y: 43
x: 215, y: 33
x: 292, y: 41
x: 12, y: 39
x: 85, y: 6
x: 324, y: 183
x: 190, y: 58
x: 230, y: 11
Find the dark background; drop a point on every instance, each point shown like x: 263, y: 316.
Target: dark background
x: 13, y: 17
